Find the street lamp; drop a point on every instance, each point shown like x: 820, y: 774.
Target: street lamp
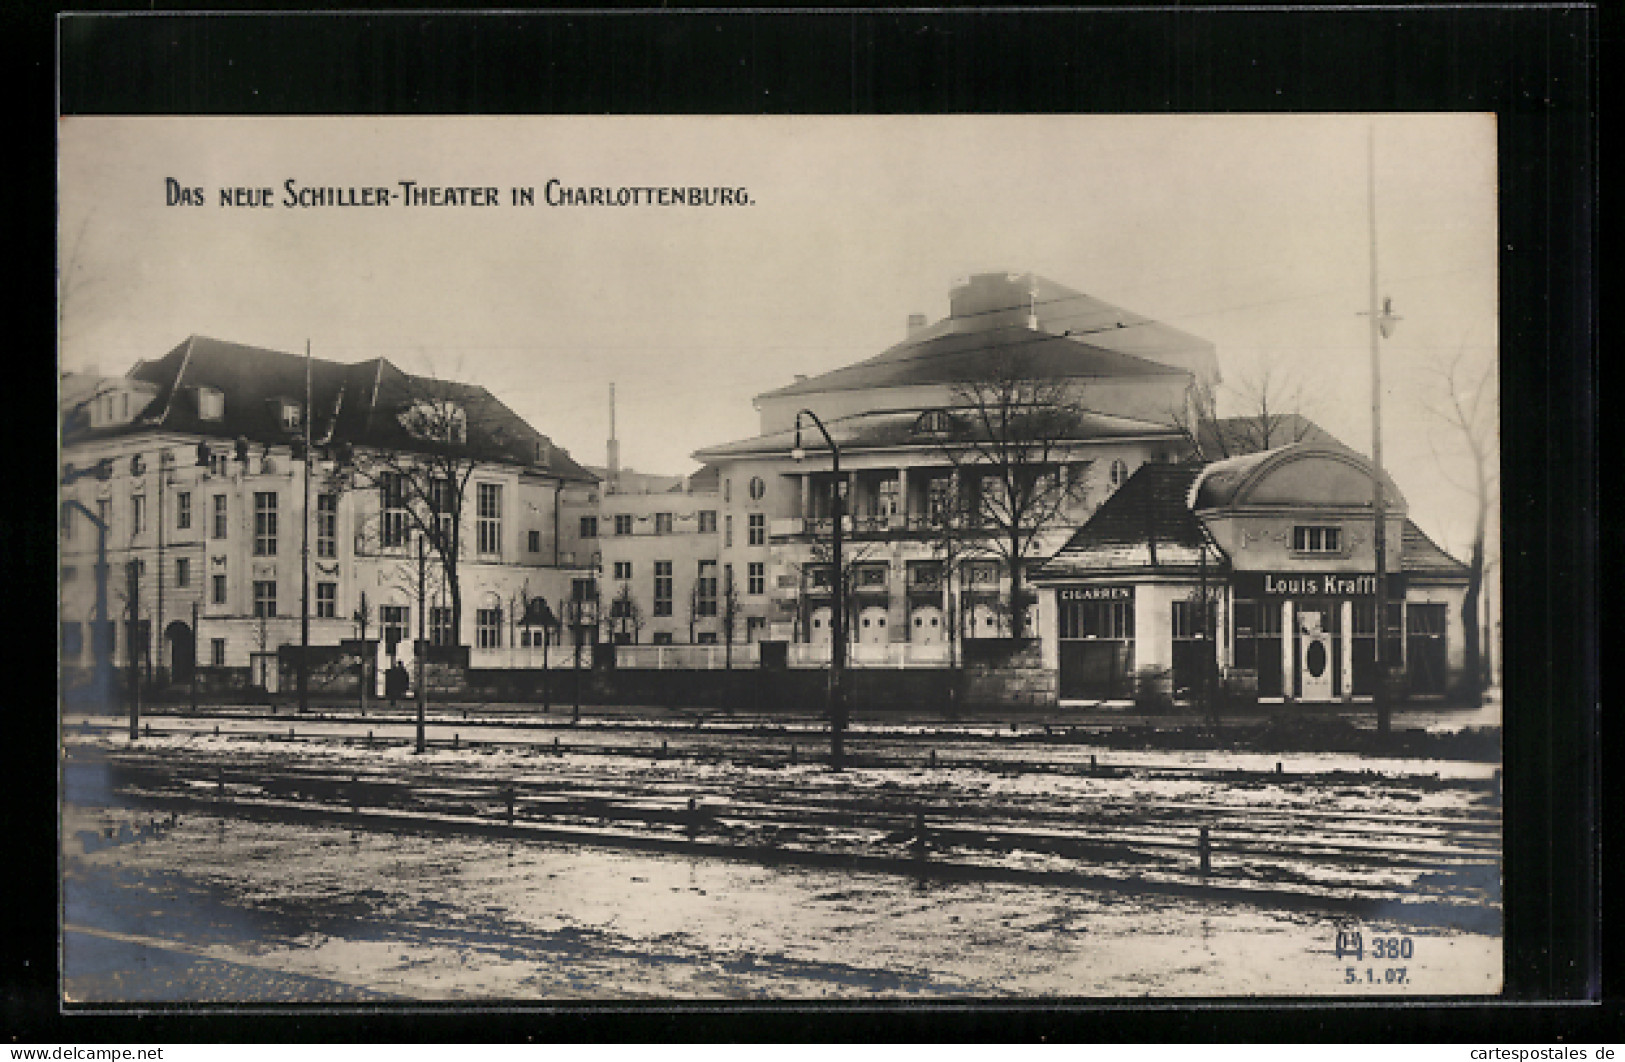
x: 837, y: 628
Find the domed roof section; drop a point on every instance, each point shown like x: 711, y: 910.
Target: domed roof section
x: 1302, y: 474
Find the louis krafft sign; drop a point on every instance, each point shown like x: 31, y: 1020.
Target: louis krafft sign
x: 1315, y: 584
x: 1096, y: 593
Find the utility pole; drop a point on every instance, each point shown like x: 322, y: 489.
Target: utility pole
x: 133, y: 571
x: 423, y: 692
x: 304, y: 553
x: 1382, y: 322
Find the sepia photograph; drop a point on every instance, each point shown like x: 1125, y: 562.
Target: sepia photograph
x: 590, y: 559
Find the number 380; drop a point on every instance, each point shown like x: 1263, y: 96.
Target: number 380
x: 1392, y: 947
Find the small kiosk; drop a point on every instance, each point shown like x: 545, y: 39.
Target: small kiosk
x: 1258, y: 571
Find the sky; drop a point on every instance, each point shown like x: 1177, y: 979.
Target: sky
x: 1249, y: 231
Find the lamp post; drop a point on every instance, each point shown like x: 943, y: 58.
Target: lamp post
x: 837, y: 626
x: 101, y: 638
x: 1382, y: 326
x: 304, y: 547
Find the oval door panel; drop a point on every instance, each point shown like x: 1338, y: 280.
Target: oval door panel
x: 1315, y: 658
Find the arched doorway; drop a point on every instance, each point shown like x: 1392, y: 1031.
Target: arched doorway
x: 181, y: 651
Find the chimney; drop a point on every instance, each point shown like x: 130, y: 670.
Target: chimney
x: 612, y: 450
x: 916, y: 321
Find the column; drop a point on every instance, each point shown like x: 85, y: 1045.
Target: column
x: 1347, y: 634
x: 806, y: 495
x: 1288, y: 685
x: 901, y: 519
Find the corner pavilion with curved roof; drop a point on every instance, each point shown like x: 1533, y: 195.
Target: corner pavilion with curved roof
x: 1280, y: 543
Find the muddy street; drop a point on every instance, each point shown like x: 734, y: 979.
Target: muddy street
x: 234, y: 867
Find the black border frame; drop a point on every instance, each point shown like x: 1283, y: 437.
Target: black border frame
x: 1535, y: 66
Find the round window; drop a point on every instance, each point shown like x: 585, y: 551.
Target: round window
x: 1316, y: 661
x: 757, y: 488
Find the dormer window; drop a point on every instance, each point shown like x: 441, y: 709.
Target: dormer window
x: 290, y: 415
x: 211, y: 404
x: 436, y: 421
x: 932, y: 422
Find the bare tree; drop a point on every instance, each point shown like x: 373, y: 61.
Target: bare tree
x: 1009, y: 438
x: 625, y: 615
x: 1468, y: 410
x: 817, y: 572
x: 424, y: 483
x: 1266, y: 410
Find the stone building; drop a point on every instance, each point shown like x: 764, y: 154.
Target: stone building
x: 1279, y: 544
x: 193, y: 462
x: 912, y: 588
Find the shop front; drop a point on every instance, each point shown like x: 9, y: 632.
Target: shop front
x: 1095, y: 641
x: 1311, y: 635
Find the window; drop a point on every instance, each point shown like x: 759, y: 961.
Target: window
x: 708, y: 521
x: 392, y: 623
x: 706, y: 638
x: 932, y: 422
x: 327, y: 525
x: 623, y: 569
x: 662, y: 523
x: 211, y: 403
x: 217, y: 592
x: 891, y: 498
x: 662, y: 638
x: 138, y: 513
x: 183, y: 571
x: 728, y: 530
x: 217, y: 652
x: 705, y: 589
x: 589, y: 527
x: 183, y: 510
x: 440, y: 625
x: 290, y: 416
x: 489, y: 514
x: 442, y: 509
x: 219, y: 529
x: 1098, y: 619
x: 757, y: 488
x: 758, y: 529
x: 623, y: 523
x: 756, y: 577
x: 327, y: 600
x: 533, y: 541
x: 662, y: 587
x: 264, y: 598
x: 583, y: 590
x: 392, y: 503
x: 1314, y: 539
x: 264, y: 523
x: 1119, y: 472
x: 727, y: 490
x: 488, y: 628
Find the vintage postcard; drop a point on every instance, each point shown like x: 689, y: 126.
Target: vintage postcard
x: 563, y: 560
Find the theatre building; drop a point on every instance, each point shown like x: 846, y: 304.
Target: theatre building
x: 1279, y: 546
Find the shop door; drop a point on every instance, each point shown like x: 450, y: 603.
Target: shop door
x: 1425, y: 652
x: 1315, y: 659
